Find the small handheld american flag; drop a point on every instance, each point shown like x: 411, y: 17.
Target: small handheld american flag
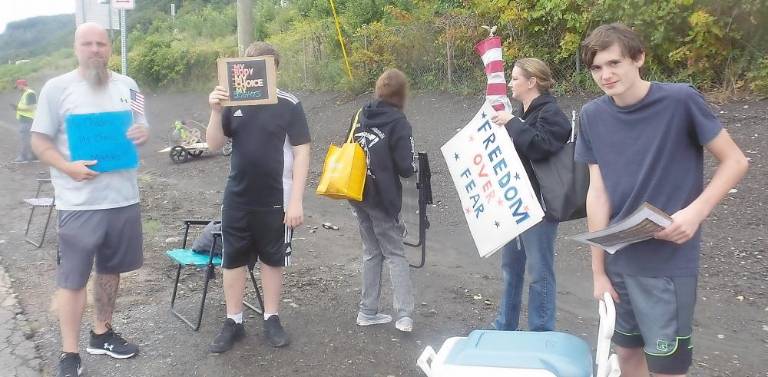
x: 137, y: 102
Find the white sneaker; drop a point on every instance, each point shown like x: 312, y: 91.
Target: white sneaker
x: 404, y: 324
x: 375, y: 319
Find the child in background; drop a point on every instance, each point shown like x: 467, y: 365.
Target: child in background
x: 385, y: 134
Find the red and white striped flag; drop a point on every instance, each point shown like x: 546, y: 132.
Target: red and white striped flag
x: 489, y: 50
x: 137, y: 102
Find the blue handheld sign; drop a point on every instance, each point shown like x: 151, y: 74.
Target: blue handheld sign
x: 102, y: 137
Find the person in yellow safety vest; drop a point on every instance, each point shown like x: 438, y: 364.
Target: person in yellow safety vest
x: 25, y: 113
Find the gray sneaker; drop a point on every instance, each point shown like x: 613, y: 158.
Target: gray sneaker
x: 404, y: 324
x: 69, y: 365
x: 372, y: 319
x: 112, y: 344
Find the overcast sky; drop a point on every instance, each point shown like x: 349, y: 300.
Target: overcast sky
x: 13, y: 10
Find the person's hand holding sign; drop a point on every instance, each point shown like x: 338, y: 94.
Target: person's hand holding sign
x: 138, y: 133
x: 79, y: 171
x: 218, y: 94
x: 501, y: 118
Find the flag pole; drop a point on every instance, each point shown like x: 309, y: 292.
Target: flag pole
x: 341, y: 39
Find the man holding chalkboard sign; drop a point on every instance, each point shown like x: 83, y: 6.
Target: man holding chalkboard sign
x: 98, y: 208
x: 263, y: 198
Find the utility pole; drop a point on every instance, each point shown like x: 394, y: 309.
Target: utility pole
x: 244, y: 25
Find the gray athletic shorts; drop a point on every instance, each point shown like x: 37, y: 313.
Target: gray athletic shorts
x: 656, y: 313
x: 110, y: 236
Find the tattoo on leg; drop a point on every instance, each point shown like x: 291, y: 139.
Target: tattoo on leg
x: 104, y: 296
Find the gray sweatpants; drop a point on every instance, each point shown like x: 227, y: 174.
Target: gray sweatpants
x: 383, y: 241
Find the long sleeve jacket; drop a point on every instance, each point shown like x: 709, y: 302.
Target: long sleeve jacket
x: 539, y: 133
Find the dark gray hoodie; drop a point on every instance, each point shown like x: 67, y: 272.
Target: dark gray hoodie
x: 387, y: 136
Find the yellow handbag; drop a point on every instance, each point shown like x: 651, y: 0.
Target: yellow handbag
x: 344, y: 169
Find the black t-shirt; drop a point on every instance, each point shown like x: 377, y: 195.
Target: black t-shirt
x: 262, y: 157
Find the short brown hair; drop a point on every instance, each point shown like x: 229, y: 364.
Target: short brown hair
x: 260, y: 48
x: 539, y: 70
x: 605, y: 36
x: 392, y: 87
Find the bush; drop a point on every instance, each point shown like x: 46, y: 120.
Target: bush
x: 182, y: 54
x: 174, y: 63
x: 759, y: 78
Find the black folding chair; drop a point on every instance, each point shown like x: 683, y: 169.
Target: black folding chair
x: 423, y: 185
x: 187, y: 257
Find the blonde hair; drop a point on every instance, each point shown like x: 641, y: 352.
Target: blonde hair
x: 392, y: 87
x: 539, y: 70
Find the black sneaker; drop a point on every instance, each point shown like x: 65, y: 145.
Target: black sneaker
x: 112, y: 344
x: 230, y: 333
x: 274, y: 332
x: 69, y: 365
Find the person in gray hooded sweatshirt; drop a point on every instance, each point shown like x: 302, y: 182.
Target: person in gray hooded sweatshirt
x: 384, y: 132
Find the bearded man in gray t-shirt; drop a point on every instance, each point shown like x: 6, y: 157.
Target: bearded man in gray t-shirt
x: 644, y: 142
x: 99, y: 218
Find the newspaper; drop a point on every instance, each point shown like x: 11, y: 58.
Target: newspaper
x: 641, y: 225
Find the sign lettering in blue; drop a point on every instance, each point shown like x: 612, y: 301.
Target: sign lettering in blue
x: 497, y: 196
x: 101, y: 137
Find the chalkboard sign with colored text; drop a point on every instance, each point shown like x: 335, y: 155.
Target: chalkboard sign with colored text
x: 249, y: 81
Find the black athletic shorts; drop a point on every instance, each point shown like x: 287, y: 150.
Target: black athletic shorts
x: 254, y: 234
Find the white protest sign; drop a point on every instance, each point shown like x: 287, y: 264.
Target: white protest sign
x: 496, y: 195
x: 123, y: 4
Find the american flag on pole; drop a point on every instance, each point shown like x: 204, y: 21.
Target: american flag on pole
x: 489, y: 50
x: 137, y: 102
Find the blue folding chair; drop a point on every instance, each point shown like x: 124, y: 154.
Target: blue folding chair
x: 187, y: 257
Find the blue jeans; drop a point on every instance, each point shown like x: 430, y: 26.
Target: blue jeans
x: 534, y: 250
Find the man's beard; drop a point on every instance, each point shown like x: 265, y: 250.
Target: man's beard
x: 96, y: 73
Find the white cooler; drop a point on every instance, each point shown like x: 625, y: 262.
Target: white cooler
x: 487, y: 353
x: 490, y: 353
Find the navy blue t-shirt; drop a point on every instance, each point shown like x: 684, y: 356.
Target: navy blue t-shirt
x: 261, y: 166
x: 652, y: 152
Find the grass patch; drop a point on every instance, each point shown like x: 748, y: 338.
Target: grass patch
x: 150, y: 227
x: 59, y: 61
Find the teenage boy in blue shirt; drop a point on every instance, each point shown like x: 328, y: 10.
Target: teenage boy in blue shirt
x: 644, y: 142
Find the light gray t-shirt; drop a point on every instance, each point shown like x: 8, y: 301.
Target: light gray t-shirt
x: 651, y: 151
x: 71, y: 94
